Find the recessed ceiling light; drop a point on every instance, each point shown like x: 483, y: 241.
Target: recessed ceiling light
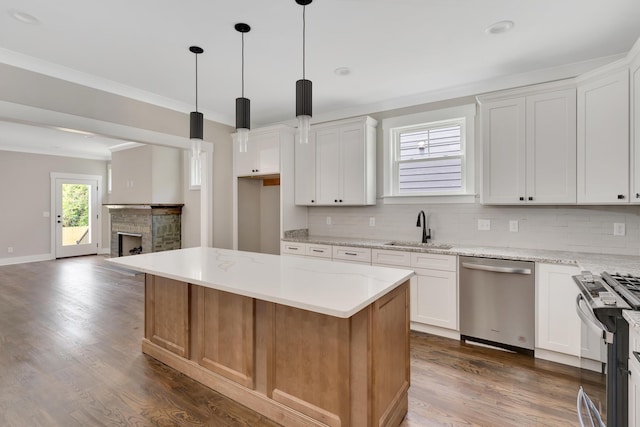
x: 499, y: 27
x: 23, y: 17
x: 342, y: 71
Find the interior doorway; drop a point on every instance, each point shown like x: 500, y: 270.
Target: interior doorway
x: 76, y: 214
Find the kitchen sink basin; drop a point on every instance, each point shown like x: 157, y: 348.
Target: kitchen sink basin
x: 419, y: 245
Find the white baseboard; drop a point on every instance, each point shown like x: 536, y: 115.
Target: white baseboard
x: 104, y: 251
x: 26, y: 259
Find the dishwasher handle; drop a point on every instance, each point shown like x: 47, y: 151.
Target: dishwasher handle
x: 593, y: 323
x: 496, y: 269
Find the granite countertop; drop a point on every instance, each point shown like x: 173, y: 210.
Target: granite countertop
x: 596, y: 263
x: 332, y: 288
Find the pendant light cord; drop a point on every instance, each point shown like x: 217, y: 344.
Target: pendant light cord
x: 243, y: 65
x: 196, y: 82
x: 304, y: 41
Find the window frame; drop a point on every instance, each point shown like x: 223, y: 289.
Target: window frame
x: 393, y: 127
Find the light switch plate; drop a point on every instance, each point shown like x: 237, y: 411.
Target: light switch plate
x: 484, y: 224
x: 372, y: 221
x: 513, y: 226
x: 619, y: 229
x: 328, y: 220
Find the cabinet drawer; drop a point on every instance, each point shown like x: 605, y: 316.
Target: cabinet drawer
x: 433, y: 261
x: 348, y: 253
x: 319, y: 251
x: 386, y: 257
x: 293, y: 248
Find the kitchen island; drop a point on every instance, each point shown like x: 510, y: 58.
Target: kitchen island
x: 304, y: 342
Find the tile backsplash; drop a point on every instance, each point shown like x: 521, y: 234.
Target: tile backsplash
x: 564, y: 228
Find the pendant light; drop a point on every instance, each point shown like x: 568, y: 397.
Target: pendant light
x: 197, y: 119
x: 243, y: 105
x: 303, y: 87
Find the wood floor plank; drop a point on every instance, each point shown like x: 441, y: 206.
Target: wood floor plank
x: 70, y: 334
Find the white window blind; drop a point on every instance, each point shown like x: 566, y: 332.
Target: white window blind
x: 429, y: 158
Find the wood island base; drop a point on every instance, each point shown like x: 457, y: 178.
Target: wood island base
x: 296, y: 367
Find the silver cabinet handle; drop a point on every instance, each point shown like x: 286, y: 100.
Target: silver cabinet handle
x: 292, y: 248
x: 318, y: 251
x: 351, y: 253
x: 496, y: 269
x: 593, y: 323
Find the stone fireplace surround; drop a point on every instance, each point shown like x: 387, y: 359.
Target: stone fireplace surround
x: 158, y: 225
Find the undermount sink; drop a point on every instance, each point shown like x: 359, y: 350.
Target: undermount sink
x: 419, y: 245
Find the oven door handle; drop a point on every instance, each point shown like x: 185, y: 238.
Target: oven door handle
x: 593, y: 323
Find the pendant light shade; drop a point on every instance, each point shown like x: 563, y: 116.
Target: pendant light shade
x: 196, y: 124
x: 243, y: 105
x: 303, y: 87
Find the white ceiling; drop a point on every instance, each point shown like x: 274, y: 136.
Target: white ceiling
x: 400, y: 52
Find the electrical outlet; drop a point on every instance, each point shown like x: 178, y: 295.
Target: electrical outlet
x: 328, y: 220
x: 372, y: 221
x: 45, y: 214
x: 484, y: 224
x: 10, y: 249
x: 513, y: 226
x: 618, y: 229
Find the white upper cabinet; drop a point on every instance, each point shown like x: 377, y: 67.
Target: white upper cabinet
x: 262, y: 156
x: 635, y: 129
x: 529, y: 145
x: 603, y: 138
x: 305, y: 171
x: 337, y: 167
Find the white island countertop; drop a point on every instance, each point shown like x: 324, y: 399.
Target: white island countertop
x: 332, y: 288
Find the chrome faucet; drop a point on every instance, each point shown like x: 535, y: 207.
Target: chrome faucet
x: 425, y: 236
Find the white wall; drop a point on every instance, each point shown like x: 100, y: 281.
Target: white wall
x: 25, y: 193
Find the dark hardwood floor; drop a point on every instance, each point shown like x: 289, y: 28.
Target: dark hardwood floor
x: 70, y: 333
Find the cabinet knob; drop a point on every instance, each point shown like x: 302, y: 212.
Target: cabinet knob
x: 340, y: 200
x: 313, y: 201
x: 637, y: 195
x: 620, y: 196
x: 335, y: 201
x: 530, y: 198
x: 522, y: 199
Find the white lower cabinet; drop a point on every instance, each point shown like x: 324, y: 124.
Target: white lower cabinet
x: 634, y: 377
x: 434, y: 298
x: 560, y: 336
x: 558, y: 325
x: 433, y: 290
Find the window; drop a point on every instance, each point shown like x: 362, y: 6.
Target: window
x: 430, y: 154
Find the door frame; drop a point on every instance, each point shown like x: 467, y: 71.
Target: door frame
x: 61, y: 175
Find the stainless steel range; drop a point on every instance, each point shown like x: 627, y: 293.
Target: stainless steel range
x: 599, y: 304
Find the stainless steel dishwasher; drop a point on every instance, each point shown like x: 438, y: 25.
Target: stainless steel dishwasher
x: 497, y: 302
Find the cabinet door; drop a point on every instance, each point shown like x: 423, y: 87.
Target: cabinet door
x: 352, y: 165
x: 503, y: 151
x: 434, y: 298
x: 635, y: 127
x: 551, y: 147
x: 246, y: 163
x: 328, y: 174
x: 305, y: 172
x: 268, y: 154
x: 603, y: 139
x: 558, y: 325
